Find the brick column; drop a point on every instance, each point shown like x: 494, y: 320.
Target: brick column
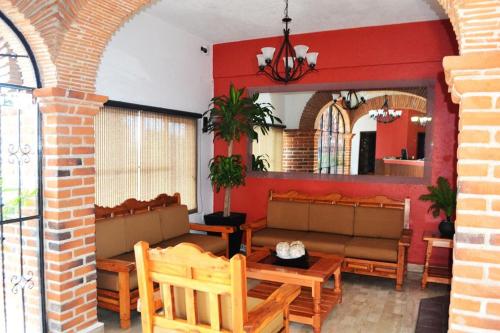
x: 298, y: 150
x: 348, y: 149
x: 69, y: 191
x: 475, y: 296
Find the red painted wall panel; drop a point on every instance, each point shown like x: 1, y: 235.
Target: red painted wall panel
x: 392, y: 137
x: 411, y: 51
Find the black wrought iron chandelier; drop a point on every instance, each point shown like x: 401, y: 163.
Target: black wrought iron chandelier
x: 294, y: 65
x: 348, y: 99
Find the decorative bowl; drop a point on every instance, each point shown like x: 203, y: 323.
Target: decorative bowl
x: 300, y: 262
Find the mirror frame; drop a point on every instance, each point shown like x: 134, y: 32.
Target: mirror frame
x: 364, y: 85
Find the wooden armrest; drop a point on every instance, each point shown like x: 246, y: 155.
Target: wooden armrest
x: 405, y: 239
x: 255, y: 225
x: 275, y: 304
x: 212, y: 228
x: 115, y: 265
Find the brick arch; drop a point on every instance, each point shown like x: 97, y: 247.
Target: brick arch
x: 84, y: 42
x: 399, y: 101
x: 68, y: 43
x: 320, y: 99
x: 41, y: 51
x: 313, y: 106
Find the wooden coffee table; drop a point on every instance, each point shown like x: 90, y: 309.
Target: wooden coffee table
x: 315, y: 302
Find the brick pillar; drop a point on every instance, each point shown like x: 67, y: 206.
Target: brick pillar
x: 475, y: 295
x: 69, y: 191
x: 348, y: 147
x: 298, y: 150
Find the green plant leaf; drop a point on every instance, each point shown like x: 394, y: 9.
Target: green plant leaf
x: 442, y: 197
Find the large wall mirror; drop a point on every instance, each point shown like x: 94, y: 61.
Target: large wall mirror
x: 383, y: 132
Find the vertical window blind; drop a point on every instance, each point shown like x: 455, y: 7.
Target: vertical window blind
x: 270, y: 145
x: 141, y: 154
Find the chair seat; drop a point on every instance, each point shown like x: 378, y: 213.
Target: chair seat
x: 326, y: 242
x: 270, y: 236
x: 273, y: 327
x: 380, y: 249
x: 213, y: 244
x: 109, y: 280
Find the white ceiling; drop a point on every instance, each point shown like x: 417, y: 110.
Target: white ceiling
x: 220, y: 21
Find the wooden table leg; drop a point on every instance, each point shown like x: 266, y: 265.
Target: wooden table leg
x: 338, y: 284
x: 428, y: 254
x: 316, y: 294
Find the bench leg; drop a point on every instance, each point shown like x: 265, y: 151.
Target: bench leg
x: 400, y: 271
x: 124, y: 299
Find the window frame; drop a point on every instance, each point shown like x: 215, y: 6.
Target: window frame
x: 171, y: 112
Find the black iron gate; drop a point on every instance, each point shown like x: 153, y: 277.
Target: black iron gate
x: 331, y: 145
x: 22, y: 289
x: 22, y: 302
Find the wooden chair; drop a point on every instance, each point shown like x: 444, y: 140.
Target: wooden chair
x: 204, y: 293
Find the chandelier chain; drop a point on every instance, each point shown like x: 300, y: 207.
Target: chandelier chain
x: 286, y: 9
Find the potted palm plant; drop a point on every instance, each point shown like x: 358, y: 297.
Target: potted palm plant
x: 230, y: 118
x: 444, y: 201
x: 260, y: 163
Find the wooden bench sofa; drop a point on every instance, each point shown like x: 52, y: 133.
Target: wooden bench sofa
x: 162, y: 222
x: 371, y: 233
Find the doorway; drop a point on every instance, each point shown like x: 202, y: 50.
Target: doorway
x: 420, y: 145
x: 367, y: 144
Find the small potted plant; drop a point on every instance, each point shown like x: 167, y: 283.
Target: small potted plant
x: 230, y: 118
x: 444, y: 201
x: 260, y: 163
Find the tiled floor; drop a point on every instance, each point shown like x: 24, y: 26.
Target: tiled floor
x: 369, y: 305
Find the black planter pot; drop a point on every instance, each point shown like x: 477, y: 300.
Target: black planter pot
x: 234, y: 220
x: 447, y: 229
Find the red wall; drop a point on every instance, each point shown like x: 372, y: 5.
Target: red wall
x: 392, y: 137
x: 399, y: 134
x: 395, y: 52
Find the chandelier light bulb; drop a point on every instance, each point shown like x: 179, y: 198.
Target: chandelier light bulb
x: 301, y: 52
x: 288, y: 65
x: 268, y: 53
x: 262, y: 61
x: 312, y: 57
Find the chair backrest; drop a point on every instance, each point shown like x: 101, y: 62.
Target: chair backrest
x: 183, y: 273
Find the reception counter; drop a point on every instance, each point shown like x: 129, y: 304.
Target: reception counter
x: 397, y: 167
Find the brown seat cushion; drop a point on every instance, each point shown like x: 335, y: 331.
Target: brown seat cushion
x: 372, y: 248
x: 110, y: 237
x: 174, y: 221
x: 378, y: 222
x: 142, y: 227
x: 326, y: 242
x: 109, y: 280
x: 288, y: 215
x: 213, y: 244
x: 334, y: 219
x: 270, y: 237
